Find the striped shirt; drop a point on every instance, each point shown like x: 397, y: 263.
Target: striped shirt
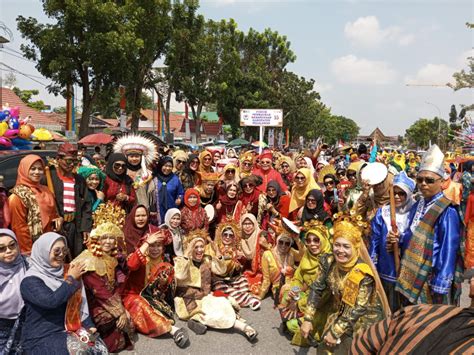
x: 69, y: 201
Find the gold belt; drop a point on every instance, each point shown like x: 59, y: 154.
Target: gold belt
x: 69, y: 217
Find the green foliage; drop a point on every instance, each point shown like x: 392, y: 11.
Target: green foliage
x: 107, y: 103
x: 60, y: 109
x: 465, y: 78
x: 26, y: 95
x: 422, y: 131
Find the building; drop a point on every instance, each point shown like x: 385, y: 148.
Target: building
x: 382, y: 139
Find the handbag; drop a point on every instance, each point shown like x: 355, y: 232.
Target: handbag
x: 82, y: 342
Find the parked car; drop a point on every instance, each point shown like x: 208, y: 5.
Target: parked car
x: 10, y: 159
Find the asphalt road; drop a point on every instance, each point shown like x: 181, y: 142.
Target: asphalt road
x: 266, y: 321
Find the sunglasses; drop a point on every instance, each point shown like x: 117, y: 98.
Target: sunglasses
x: 180, y: 161
x: 228, y: 234
x: 350, y: 175
x: 310, y: 200
x: 301, y: 178
x: 58, y: 251
x: 342, y: 173
x: 428, y: 180
x: 230, y: 171
x: 312, y: 241
x: 249, y: 185
x: 399, y: 193
x: 69, y: 161
x: 285, y: 166
x: 265, y: 162
x: 208, y: 158
x: 195, y: 162
x: 327, y: 183
x: 285, y: 243
x: 119, y: 166
x: 247, y: 164
x: 11, y: 246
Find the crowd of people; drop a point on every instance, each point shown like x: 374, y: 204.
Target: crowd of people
x: 346, y: 242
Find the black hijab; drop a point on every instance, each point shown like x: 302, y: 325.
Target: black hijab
x: 318, y: 212
x: 113, y: 158
x: 276, y: 200
x: 187, y: 167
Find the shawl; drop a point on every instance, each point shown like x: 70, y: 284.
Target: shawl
x: 228, y: 203
x: 11, y: 275
x: 318, y: 212
x: 253, y: 196
x: 298, y: 194
x: 164, y: 179
x: 236, y: 175
x: 310, y: 165
x: 132, y: 233
x: 249, y: 243
x: 36, y: 197
x: 202, y: 168
x: 192, y: 174
x: 114, y: 158
x: 175, y: 232
x: 416, y: 264
x: 102, y: 265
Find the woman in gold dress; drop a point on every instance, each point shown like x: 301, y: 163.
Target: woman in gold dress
x: 356, y: 301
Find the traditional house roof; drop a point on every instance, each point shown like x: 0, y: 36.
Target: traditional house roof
x: 207, y: 128
x: 38, y: 119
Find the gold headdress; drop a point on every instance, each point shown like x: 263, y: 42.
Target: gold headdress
x: 196, y: 234
x: 221, y: 227
x: 328, y: 169
x: 320, y: 230
x: 350, y: 226
x: 108, y: 220
x: 109, y: 213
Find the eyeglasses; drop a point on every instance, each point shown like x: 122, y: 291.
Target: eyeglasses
x: 249, y: 185
x: 313, y: 241
x: 69, y: 161
x: 285, y: 166
x: 399, y: 193
x: 285, y: 243
x: 119, y: 166
x: 428, y: 180
x: 327, y: 183
x: 195, y: 162
x: 247, y: 164
x: 351, y: 175
x: 301, y: 178
x: 58, y: 251
x: 265, y: 162
x: 310, y: 200
x: 11, y: 246
x: 228, y: 234
x: 230, y: 171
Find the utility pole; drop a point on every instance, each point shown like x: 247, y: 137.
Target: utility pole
x: 439, y: 120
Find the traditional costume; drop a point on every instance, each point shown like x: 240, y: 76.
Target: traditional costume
x: 86, y: 172
x: 119, y: 183
x: 193, y: 217
x: 134, y: 234
x: 168, y: 189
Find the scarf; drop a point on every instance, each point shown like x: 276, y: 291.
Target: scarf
x: 36, y: 197
x: 86, y: 171
x: 228, y: 204
x: 276, y: 200
x: 11, y: 275
x: 249, y: 242
x: 162, y: 193
x: 317, y: 213
x: 132, y: 233
x: 187, y: 195
x: 298, y: 194
x: 416, y: 264
x: 175, y: 232
x: 202, y: 168
x: 114, y: 158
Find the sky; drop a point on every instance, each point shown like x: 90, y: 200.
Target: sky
x: 362, y: 54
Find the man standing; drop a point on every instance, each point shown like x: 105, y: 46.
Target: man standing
x: 72, y: 199
x: 431, y: 246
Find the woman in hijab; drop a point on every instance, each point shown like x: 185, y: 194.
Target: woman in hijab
x: 13, y: 267
x: 304, y: 182
x: 286, y: 167
x: 55, y: 305
x: 180, y: 157
x: 118, y: 186
x: 190, y: 176
x: 169, y: 188
x: 149, y: 291
x: 230, y: 174
x: 295, y: 295
x: 173, y: 223
x: 331, y: 194
x: 314, y: 209
x: 250, y: 194
x: 383, y: 259
x: 272, y: 205
x: 137, y: 225
x: 205, y: 162
x: 193, y: 216
x: 228, y: 205
x: 32, y: 205
x: 95, y: 179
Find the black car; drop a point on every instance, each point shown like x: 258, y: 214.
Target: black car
x: 10, y: 159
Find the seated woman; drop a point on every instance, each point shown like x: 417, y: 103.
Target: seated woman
x: 104, y: 282
x: 13, y: 267
x: 315, y: 209
x: 272, y: 205
x: 279, y: 265
x: 95, y: 179
x: 295, y: 295
x: 356, y: 301
x: 250, y: 193
x: 231, y: 282
x: 137, y: 225
x: 303, y: 184
x: 194, y: 301
x: 228, y: 205
x: 32, y: 205
x: 149, y: 291
x: 53, y: 303
x: 193, y: 215
x: 173, y: 223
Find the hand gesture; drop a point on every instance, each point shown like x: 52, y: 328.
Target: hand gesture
x: 76, y: 270
x: 100, y: 195
x: 218, y: 205
x: 58, y: 224
x: 155, y: 237
x: 306, y: 328
x: 122, y: 321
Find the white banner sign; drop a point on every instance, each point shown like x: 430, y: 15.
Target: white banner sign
x: 257, y: 117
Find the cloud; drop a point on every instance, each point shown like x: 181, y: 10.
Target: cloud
x: 321, y: 87
x: 432, y: 74
x: 366, y: 32
x: 462, y: 60
x: 353, y: 70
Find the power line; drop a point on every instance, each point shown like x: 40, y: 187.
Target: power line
x: 13, y: 50
x: 17, y: 56
x: 21, y: 73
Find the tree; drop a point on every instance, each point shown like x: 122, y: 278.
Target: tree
x: 85, y: 43
x: 60, y: 109
x: 465, y: 78
x: 424, y: 130
x: 26, y: 95
x: 9, y: 80
x: 107, y: 103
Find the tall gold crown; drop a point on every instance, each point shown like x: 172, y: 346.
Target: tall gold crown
x: 221, y: 227
x: 195, y: 234
x: 107, y: 212
x: 315, y: 225
x: 350, y: 226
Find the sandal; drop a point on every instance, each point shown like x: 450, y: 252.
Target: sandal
x: 197, y: 327
x: 181, y: 337
x: 250, y: 333
x: 254, y: 305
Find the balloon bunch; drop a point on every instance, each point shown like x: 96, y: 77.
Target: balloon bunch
x: 15, y: 133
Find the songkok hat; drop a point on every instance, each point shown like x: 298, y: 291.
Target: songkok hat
x: 433, y: 160
x: 267, y: 155
x: 67, y: 149
x: 404, y: 182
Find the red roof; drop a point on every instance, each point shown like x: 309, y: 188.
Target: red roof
x: 208, y: 128
x: 38, y: 119
x: 176, y: 121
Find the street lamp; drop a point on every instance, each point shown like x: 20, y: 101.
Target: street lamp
x: 439, y: 120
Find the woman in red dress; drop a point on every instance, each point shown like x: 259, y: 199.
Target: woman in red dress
x: 149, y: 291
x: 137, y: 225
x: 250, y: 193
x: 193, y: 216
x: 118, y: 186
x: 228, y: 205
